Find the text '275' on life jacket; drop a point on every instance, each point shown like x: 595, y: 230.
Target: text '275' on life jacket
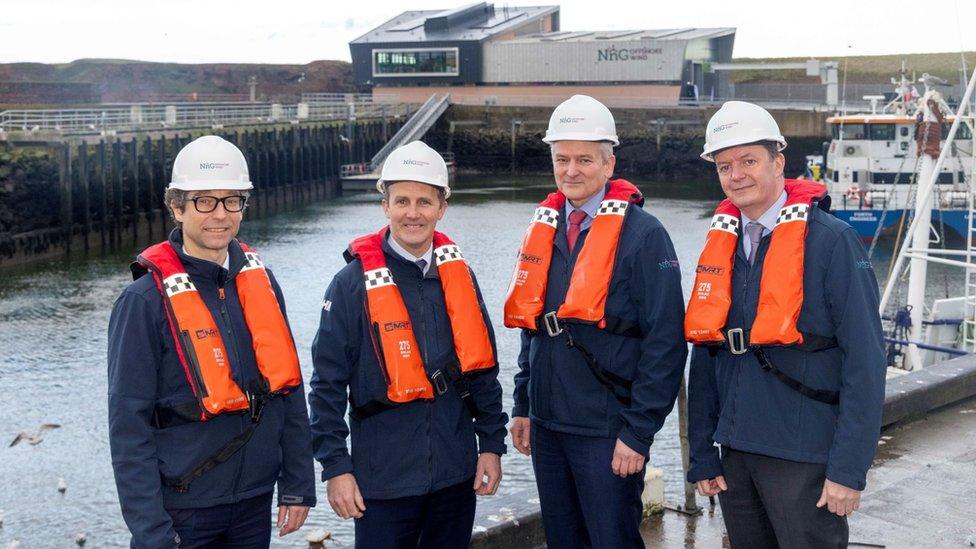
x: 399, y: 354
x: 199, y: 344
x: 587, y: 295
x: 781, y: 286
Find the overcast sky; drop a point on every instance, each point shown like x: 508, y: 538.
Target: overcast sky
x: 294, y: 31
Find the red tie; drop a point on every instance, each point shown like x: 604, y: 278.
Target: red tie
x: 576, y: 218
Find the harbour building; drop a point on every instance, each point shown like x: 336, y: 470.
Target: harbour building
x: 484, y: 54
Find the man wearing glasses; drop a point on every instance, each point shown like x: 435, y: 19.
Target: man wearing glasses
x: 205, y: 398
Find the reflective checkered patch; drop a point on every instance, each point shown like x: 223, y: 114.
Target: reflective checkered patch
x: 793, y: 212
x: 252, y: 261
x: 546, y: 215
x: 378, y: 278
x: 612, y: 207
x: 447, y: 253
x: 178, y: 283
x: 727, y: 223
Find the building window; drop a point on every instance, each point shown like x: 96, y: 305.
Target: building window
x: 416, y: 62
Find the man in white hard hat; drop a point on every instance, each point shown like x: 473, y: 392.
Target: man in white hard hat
x: 206, y: 404
x: 405, y: 339
x: 788, y: 371
x: 597, y: 294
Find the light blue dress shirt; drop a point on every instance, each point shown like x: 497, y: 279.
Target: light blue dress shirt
x: 767, y: 220
x: 591, y: 206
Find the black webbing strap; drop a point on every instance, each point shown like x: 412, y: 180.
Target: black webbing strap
x: 370, y: 409
x: 182, y: 482
x: 166, y: 417
x: 820, y: 395
x: 617, y: 385
x: 461, y: 386
x: 622, y: 326
x: 612, y: 324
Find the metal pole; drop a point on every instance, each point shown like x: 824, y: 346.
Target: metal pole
x: 691, y: 504
x: 926, y: 195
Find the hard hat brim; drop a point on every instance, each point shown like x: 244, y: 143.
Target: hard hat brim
x: 216, y: 185
x: 580, y: 136
x: 709, y: 154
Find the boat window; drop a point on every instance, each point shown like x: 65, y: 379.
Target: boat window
x: 904, y: 131
x: 962, y: 133
x: 882, y: 132
x: 852, y: 131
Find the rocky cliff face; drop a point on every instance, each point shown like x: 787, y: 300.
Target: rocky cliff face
x: 139, y: 81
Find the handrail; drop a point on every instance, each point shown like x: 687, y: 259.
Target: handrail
x: 155, y: 116
x: 434, y: 106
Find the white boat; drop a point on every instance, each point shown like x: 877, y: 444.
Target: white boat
x: 872, y: 159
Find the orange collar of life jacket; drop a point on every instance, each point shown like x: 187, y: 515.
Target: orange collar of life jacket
x: 780, y: 288
x: 587, y: 294
x: 198, y: 341
x: 406, y: 376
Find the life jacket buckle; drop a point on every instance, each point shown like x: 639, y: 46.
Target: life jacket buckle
x: 737, y: 341
x: 440, y: 383
x: 552, y: 324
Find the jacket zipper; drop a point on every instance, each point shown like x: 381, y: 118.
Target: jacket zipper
x: 244, y: 417
x: 429, y: 405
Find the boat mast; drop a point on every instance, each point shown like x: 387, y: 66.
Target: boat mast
x: 924, y: 196
x: 928, y: 136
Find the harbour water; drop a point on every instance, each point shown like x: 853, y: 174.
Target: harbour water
x: 53, y: 320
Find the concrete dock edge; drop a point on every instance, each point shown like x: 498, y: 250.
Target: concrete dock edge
x: 515, y: 522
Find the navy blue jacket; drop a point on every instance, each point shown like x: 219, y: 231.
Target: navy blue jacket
x: 414, y: 448
x: 733, y: 402
x: 555, y: 388
x: 144, y: 372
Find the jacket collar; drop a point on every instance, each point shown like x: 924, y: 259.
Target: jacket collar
x: 392, y: 255
x: 208, y: 270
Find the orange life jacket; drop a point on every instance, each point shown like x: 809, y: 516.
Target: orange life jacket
x: 587, y: 295
x: 199, y: 344
x: 406, y: 376
x: 781, y: 285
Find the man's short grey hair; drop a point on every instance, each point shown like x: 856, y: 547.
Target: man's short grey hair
x: 177, y: 198
x: 441, y: 193
x: 606, y: 150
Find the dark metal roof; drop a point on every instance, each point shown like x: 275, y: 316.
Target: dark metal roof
x: 624, y: 35
x: 475, y: 22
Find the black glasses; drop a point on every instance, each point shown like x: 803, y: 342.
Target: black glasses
x: 207, y: 204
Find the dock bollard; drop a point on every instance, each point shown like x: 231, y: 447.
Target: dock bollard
x: 316, y: 538
x: 653, y: 495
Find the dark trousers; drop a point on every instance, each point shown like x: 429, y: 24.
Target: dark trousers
x: 242, y: 525
x: 438, y: 520
x: 772, y: 503
x: 583, y: 503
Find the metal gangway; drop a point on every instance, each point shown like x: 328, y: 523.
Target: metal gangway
x: 424, y: 119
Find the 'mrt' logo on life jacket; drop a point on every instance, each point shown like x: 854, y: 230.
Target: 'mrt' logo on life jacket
x: 534, y: 259
x: 205, y: 333
x: 396, y: 325
x: 709, y: 269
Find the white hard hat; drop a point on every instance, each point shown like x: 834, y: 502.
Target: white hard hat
x: 740, y: 123
x: 415, y: 161
x: 210, y: 163
x: 581, y: 118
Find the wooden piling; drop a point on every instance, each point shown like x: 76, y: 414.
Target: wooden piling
x: 64, y: 181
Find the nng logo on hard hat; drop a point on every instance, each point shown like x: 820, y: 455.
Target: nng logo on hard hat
x: 213, y: 165
x: 410, y: 162
x: 724, y: 127
x: 571, y: 119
